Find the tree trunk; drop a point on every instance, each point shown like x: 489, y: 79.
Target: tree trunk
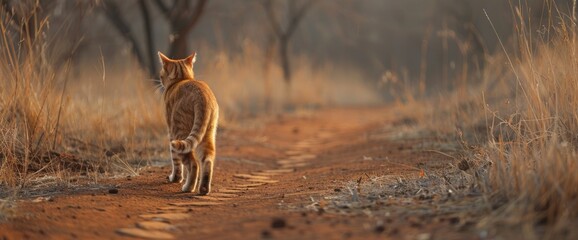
x: 267, y: 86
x: 115, y: 16
x: 179, y: 46
x: 150, y: 46
x: 285, y: 65
x: 284, y: 55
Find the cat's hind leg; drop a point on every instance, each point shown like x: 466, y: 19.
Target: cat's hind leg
x: 207, y: 167
x: 177, y: 170
x: 191, y: 166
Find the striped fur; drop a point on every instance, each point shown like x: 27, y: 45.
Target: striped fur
x: 191, y: 114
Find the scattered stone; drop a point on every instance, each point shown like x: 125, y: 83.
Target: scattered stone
x: 166, y: 216
x: 379, y: 228
x: 223, y: 195
x: 141, y: 233
x: 454, y: 220
x: 424, y: 236
x: 267, y: 174
x: 249, y: 176
x: 42, y: 199
x: 290, y: 161
x: 211, y: 198
x: 295, y: 165
x: 347, y: 235
x: 293, y: 152
x: 154, y: 225
x: 278, y: 223
x: 295, y: 130
x: 415, y: 224
x: 172, y: 208
x: 303, y: 157
x: 249, y: 185
x: 283, y: 170
x: 243, y: 189
x: 113, y: 190
x: 263, y: 181
x: 194, y: 204
x: 266, y: 234
x: 226, y: 190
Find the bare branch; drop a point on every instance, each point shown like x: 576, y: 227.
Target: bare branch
x: 179, y: 9
x: 150, y: 48
x: 163, y: 8
x: 297, y: 17
x: 196, y: 15
x: 114, y: 15
x: 273, y: 21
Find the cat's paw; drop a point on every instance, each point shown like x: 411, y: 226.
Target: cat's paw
x: 186, y: 188
x: 204, y: 190
x: 174, y: 178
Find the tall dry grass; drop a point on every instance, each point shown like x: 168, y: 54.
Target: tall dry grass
x: 534, y: 171
x: 520, y: 121
x: 52, y: 122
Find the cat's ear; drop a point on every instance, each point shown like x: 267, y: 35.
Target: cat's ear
x: 164, y: 59
x: 191, y: 59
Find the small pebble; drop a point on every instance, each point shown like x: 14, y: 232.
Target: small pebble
x: 379, y: 228
x: 265, y: 234
x: 278, y: 223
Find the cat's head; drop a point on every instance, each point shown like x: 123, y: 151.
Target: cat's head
x: 174, y: 70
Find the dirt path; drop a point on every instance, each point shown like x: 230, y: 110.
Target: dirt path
x: 271, y: 181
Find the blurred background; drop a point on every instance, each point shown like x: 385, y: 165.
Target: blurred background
x: 273, y: 54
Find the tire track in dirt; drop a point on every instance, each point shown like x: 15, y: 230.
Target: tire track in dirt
x: 159, y: 225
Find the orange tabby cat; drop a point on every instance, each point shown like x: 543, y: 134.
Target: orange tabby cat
x: 192, y: 114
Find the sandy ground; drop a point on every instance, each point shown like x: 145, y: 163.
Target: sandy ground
x: 332, y: 174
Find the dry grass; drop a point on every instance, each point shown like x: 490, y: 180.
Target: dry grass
x: 245, y: 87
x: 534, y: 170
x: 521, y: 117
x: 55, y: 123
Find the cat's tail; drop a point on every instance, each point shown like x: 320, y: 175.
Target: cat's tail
x: 183, y: 146
x: 197, y: 133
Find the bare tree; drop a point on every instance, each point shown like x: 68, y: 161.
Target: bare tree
x: 283, y: 27
x: 28, y: 20
x: 181, y: 15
